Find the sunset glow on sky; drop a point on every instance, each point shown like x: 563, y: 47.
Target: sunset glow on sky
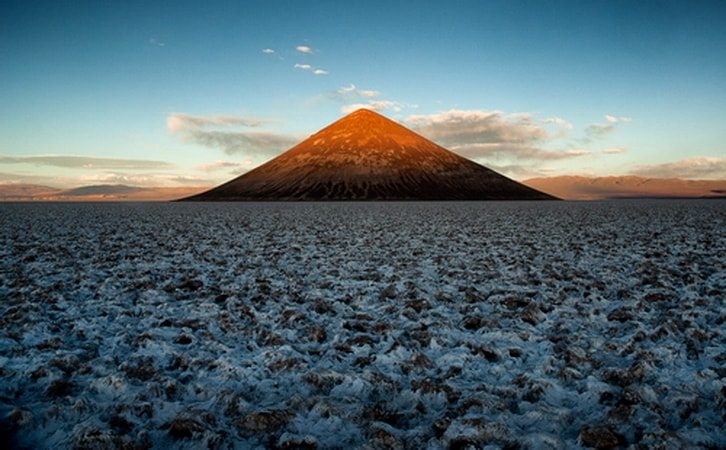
x: 195, y: 93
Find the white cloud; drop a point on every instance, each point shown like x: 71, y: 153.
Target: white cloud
x: 269, y: 51
x: 701, y: 167
x: 303, y: 66
x: 304, y: 49
x: 320, y: 72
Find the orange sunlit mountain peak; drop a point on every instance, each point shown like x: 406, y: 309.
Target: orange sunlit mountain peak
x: 366, y: 156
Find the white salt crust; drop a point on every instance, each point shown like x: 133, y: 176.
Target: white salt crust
x: 363, y: 325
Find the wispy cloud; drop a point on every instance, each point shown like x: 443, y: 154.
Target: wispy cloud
x: 702, y: 167
x: 157, y: 42
x: 86, y: 162
x: 613, y: 119
x: 268, y: 51
x: 303, y: 66
x: 304, y: 49
x: 320, y: 72
x: 614, y: 150
x: 235, y: 166
x: 214, y: 132
x: 557, y: 121
x: 598, y: 131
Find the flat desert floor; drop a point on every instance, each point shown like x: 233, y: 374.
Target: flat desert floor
x: 510, y: 325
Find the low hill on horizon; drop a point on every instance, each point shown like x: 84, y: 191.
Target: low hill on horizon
x: 564, y: 187
x: 105, y: 192
x: 613, y: 187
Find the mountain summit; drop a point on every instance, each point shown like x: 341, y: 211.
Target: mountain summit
x: 365, y: 156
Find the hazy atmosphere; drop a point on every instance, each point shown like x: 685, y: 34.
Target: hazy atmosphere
x: 179, y: 94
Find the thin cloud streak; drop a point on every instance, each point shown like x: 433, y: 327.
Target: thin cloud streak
x: 86, y: 162
x: 221, y: 165
x: 614, y: 150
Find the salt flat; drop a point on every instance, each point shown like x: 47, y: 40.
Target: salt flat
x: 363, y: 325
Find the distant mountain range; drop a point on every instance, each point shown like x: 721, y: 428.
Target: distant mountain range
x: 365, y: 156
x: 564, y: 187
x: 582, y: 188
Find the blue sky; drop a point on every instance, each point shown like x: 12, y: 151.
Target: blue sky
x: 194, y: 93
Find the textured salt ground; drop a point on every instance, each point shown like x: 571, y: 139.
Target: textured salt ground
x: 373, y: 325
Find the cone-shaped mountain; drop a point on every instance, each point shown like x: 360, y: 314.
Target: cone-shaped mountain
x: 365, y: 156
